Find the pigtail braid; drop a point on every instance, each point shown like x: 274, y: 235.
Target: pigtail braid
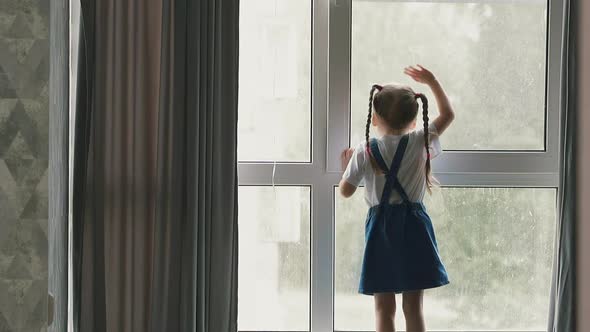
x: 427, y: 168
x: 368, y: 127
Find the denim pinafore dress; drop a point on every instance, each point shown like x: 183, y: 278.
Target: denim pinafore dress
x: 401, y: 253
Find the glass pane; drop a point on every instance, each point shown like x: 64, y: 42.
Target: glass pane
x: 274, y: 267
x: 490, y: 58
x: 497, y: 245
x: 275, y: 81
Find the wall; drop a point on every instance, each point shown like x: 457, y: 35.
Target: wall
x: 583, y: 168
x: 24, y: 118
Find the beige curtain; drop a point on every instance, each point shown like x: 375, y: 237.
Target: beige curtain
x: 121, y: 167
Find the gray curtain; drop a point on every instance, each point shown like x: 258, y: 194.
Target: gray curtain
x: 195, y: 270
x: 155, y: 166
x: 58, y: 166
x: 562, y: 310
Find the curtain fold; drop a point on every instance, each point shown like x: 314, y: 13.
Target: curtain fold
x: 114, y: 163
x: 197, y: 158
x: 155, y: 166
x: 563, y: 296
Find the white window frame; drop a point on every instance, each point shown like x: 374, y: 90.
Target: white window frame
x: 330, y: 119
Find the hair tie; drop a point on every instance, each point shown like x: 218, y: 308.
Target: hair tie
x: 418, y: 95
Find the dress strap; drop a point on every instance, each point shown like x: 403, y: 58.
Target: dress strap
x: 399, y: 155
x: 374, y: 150
x: 391, y: 183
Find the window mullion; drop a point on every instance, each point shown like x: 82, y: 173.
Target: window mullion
x: 322, y: 269
x: 339, y: 76
x: 494, y: 162
x: 322, y: 310
x: 555, y: 44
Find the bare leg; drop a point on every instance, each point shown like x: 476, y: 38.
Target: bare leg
x: 385, y: 311
x: 412, y: 306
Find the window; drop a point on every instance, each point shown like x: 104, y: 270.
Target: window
x: 305, y: 71
x: 275, y: 86
x: 274, y: 258
x: 490, y: 56
x: 497, y: 245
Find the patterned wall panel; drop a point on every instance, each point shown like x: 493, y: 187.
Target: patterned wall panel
x: 24, y: 119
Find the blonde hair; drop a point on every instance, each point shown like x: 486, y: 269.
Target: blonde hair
x: 398, y: 106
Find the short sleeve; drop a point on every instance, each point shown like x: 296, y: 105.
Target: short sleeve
x: 356, y: 166
x: 434, y: 146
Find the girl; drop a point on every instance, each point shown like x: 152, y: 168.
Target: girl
x: 401, y: 254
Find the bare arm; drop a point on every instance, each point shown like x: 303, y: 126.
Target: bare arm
x: 346, y: 189
x: 446, y: 113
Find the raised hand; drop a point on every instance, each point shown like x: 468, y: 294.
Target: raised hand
x: 420, y: 74
x: 445, y: 110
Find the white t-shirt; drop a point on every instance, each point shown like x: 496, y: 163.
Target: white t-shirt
x: 411, y: 174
